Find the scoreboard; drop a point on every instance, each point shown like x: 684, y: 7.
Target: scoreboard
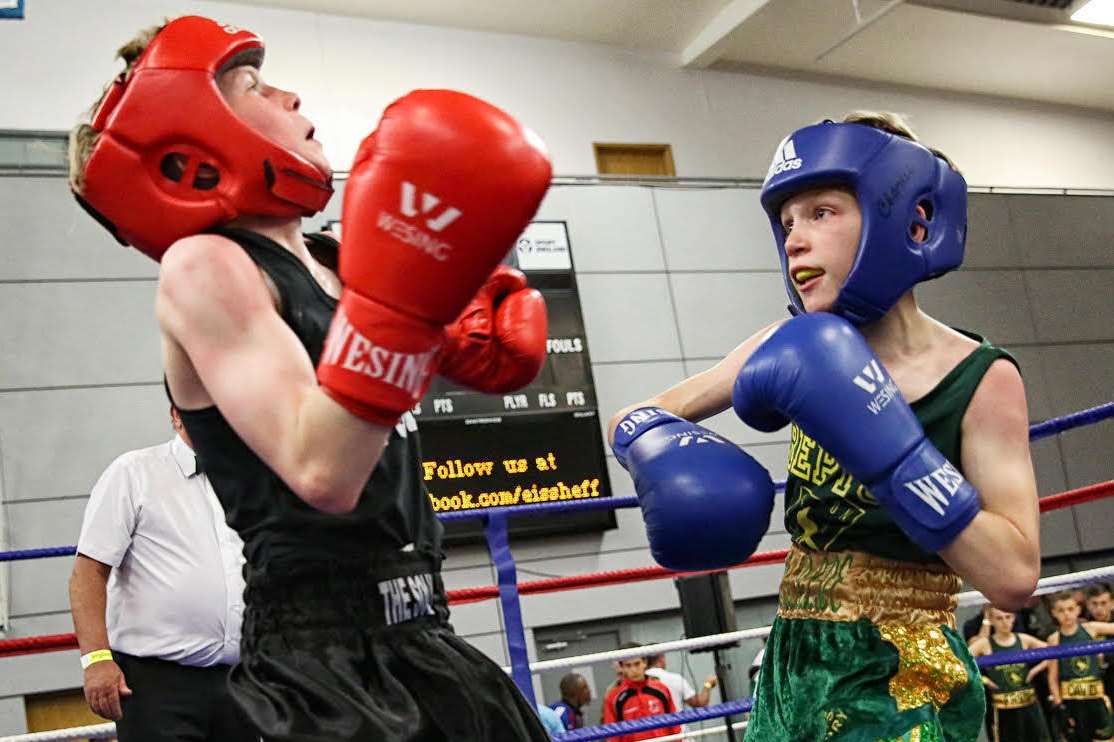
x: 539, y: 444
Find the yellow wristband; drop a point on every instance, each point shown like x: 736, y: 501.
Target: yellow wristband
x: 97, y: 655
x: 708, y: 685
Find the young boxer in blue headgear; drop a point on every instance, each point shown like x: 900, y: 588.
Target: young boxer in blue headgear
x: 909, y: 465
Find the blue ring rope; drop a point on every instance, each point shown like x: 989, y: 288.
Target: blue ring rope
x: 656, y: 722
x: 1036, y: 432
x: 1074, y: 420
x: 1045, y: 653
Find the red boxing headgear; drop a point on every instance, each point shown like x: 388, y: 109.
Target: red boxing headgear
x: 172, y: 158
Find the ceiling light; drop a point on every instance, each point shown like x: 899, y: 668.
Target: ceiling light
x: 1098, y: 12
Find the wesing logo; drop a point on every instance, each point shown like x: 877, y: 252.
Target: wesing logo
x: 874, y: 382
x: 937, y: 488
x: 429, y: 203
x: 414, y: 235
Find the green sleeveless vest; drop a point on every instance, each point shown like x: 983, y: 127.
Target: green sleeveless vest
x: 1083, y: 666
x: 1008, y: 678
x: 826, y: 509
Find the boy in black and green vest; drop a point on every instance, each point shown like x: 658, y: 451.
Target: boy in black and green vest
x: 1015, y: 713
x: 1078, y: 680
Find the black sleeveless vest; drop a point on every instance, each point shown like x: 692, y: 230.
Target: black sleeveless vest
x: 280, y: 531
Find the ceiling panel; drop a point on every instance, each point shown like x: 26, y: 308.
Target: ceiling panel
x: 989, y: 47
x: 931, y: 47
x: 658, y: 25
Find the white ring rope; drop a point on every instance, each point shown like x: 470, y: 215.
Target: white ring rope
x: 703, y: 732
x: 697, y: 642
x: 96, y: 731
x: 1046, y: 585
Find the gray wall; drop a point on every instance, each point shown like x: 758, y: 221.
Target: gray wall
x: 670, y: 279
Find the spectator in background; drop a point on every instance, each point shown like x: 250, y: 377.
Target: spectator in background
x: 1080, y: 685
x: 575, y: 695
x: 550, y: 720
x: 1100, y: 603
x: 156, y: 596
x: 638, y: 696
x: 680, y: 689
x: 1014, y: 709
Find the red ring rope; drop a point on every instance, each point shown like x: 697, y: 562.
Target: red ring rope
x: 1078, y: 496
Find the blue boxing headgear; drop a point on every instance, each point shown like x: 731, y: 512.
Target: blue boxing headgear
x: 890, y: 176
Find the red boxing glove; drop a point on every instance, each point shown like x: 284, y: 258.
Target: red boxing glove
x: 436, y: 197
x: 497, y: 344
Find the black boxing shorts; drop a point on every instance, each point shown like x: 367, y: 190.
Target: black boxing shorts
x: 369, y: 656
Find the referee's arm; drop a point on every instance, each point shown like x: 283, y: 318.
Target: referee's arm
x: 106, y: 534
x: 88, y: 600
x: 103, y: 681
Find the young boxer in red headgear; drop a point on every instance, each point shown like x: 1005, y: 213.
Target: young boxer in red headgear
x: 295, y: 382
x: 888, y: 503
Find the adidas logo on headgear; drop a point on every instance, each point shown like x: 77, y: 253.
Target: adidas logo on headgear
x: 785, y: 158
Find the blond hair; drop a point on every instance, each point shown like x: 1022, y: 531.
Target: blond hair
x: 893, y: 123
x: 83, y: 137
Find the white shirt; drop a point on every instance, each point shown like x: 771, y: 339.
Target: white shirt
x: 679, y: 687
x: 176, y: 588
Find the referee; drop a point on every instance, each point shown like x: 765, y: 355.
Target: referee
x: 156, y: 595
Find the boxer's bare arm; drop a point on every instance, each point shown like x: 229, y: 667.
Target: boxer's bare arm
x: 999, y: 552
x: 704, y: 394
x: 224, y: 343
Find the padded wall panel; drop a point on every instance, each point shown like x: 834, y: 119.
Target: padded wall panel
x: 39, y: 586
x: 62, y: 334
x: 619, y: 385
x: 628, y: 317
x: 611, y: 228
x: 57, y: 443
x: 717, y: 311
x: 1072, y: 305
x: 48, y: 236
x: 992, y: 303
x: 713, y: 230
x: 39, y: 673
x: 1062, y: 231
x: 990, y: 238
x: 34, y: 525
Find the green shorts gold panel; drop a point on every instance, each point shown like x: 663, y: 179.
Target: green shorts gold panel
x: 864, y: 649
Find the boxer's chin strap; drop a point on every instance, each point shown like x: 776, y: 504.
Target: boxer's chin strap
x: 793, y: 311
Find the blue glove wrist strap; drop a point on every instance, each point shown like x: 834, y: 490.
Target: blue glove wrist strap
x: 929, y: 498
x: 635, y: 424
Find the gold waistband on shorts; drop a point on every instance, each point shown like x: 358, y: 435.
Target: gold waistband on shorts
x: 1014, y: 699
x: 849, y: 585
x: 1081, y: 689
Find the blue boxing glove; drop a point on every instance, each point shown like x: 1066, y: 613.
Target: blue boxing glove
x: 705, y: 502
x: 819, y: 372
